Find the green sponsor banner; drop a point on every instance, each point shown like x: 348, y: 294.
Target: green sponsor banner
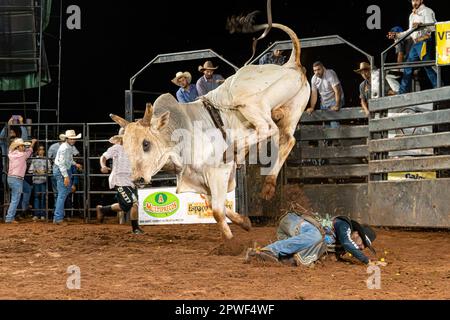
x: 161, y: 204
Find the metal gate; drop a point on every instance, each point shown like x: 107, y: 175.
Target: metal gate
x: 410, y: 203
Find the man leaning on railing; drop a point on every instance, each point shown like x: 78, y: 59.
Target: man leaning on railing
x: 421, y: 49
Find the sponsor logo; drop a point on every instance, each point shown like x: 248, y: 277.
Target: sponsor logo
x: 201, y: 210
x: 161, y: 204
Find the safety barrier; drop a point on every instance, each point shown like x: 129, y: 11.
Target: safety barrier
x: 396, y: 199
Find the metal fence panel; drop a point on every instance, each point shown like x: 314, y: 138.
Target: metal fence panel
x: 422, y: 203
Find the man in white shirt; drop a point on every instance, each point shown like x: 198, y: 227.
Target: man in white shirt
x: 421, y: 49
x: 62, y: 171
x: 51, y: 154
x: 120, y: 180
x: 325, y: 83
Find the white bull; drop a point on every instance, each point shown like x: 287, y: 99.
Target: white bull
x: 271, y: 98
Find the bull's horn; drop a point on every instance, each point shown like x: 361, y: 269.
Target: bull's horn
x: 120, y: 121
x: 146, y: 121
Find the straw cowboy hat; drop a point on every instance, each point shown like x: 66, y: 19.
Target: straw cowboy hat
x: 70, y: 134
x: 208, y: 65
x: 179, y: 75
x: 17, y: 143
x: 363, y: 66
x: 118, y: 137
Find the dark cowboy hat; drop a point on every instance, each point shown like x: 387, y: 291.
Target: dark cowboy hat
x: 366, y: 233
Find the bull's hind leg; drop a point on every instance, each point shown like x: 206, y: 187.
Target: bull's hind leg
x: 263, y: 123
x: 286, y: 143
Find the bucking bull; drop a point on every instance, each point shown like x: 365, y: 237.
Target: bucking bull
x: 256, y: 103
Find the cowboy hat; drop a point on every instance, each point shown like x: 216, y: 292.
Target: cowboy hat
x: 179, y: 75
x: 363, y: 66
x: 70, y: 134
x: 208, y: 65
x: 366, y: 233
x: 118, y: 137
x: 17, y: 143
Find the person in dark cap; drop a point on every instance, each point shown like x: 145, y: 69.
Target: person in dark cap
x: 305, y: 238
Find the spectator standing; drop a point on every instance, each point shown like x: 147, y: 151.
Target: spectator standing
x: 273, y: 57
x: 17, y: 167
x: 326, y: 85
x: 39, y: 168
x: 62, y: 170
x: 423, y: 43
x: 209, y: 81
x: 187, y: 91
x: 365, y: 86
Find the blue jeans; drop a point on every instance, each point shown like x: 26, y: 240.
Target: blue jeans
x: 63, y: 192
x: 54, y: 187
x: 327, y: 106
x: 414, y: 55
x: 39, y: 199
x: 26, y: 195
x: 16, y: 186
x: 308, y: 236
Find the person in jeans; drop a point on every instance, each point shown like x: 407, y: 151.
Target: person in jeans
x: 51, y: 154
x: 120, y: 180
x: 68, y: 205
x: 14, y: 129
x: 39, y: 168
x: 17, y: 167
x: 63, y: 173
x: 423, y: 43
x: 304, y: 239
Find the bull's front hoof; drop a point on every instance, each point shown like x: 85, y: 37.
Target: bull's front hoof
x: 227, y: 235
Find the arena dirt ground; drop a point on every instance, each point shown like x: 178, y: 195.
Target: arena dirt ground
x: 191, y: 262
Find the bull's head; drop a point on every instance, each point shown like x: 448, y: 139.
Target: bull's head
x: 144, y: 143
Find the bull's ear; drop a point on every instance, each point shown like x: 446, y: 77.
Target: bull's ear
x: 120, y: 121
x: 146, y: 121
x: 163, y: 120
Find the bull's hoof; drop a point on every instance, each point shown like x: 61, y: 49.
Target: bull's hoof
x: 268, y: 191
x: 246, y: 224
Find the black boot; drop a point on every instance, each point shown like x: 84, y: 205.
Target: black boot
x: 135, y: 227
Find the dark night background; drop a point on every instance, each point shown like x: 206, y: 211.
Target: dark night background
x: 118, y: 38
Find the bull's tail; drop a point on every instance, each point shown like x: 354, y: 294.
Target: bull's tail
x: 245, y: 24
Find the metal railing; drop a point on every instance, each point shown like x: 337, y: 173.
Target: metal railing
x: 42, y: 132
x: 419, y: 64
x: 167, y: 58
x: 314, y: 42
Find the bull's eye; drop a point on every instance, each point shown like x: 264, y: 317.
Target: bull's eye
x: 146, y: 145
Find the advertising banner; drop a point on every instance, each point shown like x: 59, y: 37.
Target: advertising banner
x: 443, y: 43
x: 159, y: 206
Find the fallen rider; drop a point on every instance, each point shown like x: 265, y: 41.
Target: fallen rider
x: 303, y: 238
